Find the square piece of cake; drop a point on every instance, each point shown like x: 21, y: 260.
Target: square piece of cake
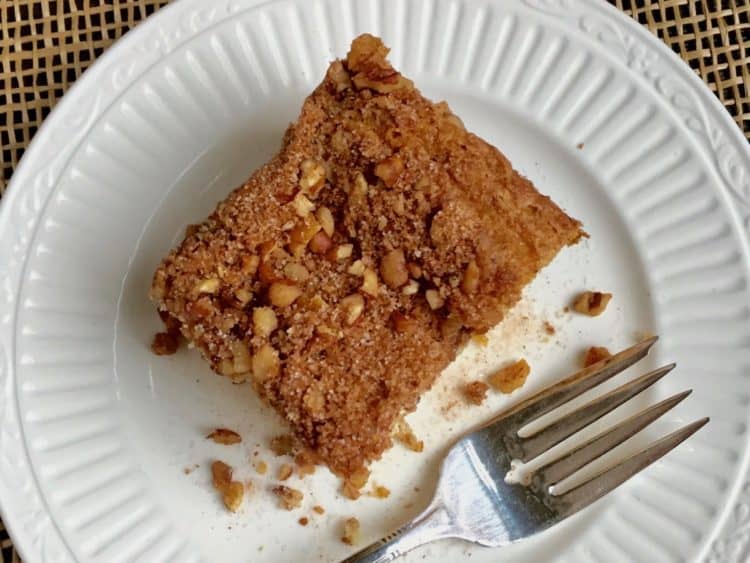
x: 343, y: 276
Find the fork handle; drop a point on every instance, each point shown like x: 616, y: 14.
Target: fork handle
x: 433, y: 524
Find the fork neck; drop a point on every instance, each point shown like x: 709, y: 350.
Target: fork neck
x: 433, y: 524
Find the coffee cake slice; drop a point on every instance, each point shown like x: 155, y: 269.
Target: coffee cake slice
x: 343, y: 276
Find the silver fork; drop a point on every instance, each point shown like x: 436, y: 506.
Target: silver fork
x: 475, y: 501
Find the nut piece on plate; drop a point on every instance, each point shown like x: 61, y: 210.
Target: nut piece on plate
x: 379, y: 491
x: 595, y: 354
x: 225, y: 436
x: 319, y: 509
x: 261, y: 467
x: 233, y: 496
x: 404, y: 434
x: 510, y: 378
x: 165, y: 343
x: 232, y: 492
x: 592, y: 303
x: 475, y: 392
x: 353, y: 484
x: 351, y: 531
x: 285, y: 471
x: 289, y: 498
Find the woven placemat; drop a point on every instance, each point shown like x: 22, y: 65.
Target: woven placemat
x: 45, y: 45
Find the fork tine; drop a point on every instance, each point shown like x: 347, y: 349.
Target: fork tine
x: 595, y: 488
x: 529, y: 448
x: 567, y: 464
x: 580, y: 382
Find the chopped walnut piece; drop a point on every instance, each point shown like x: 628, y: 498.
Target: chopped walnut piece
x: 370, y: 282
x: 350, y: 491
x: 243, y: 295
x: 233, y: 495
x: 389, y: 170
x: 285, y: 471
x: 353, y: 484
x: 357, y: 268
x: 404, y: 434
x: 325, y: 218
x: 595, y: 354
x: 302, y: 206
x: 318, y: 509
x: 470, y: 282
x: 351, y: 531
x: 359, y: 190
x: 242, y: 360
x: 283, y: 293
x: 411, y: 288
x: 265, y: 363
x: 303, y: 521
x: 210, y: 285
x: 289, y: 498
x: 433, y: 299
x: 359, y: 477
x: 403, y: 324
x: 302, y: 234
x: 510, y: 378
x: 475, y: 392
x: 592, y: 303
x: 250, y: 264
x: 283, y: 445
x: 305, y: 462
x: 261, y: 467
x: 165, y: 343
x: 379, y: 491
x: 313, y: 176
x: 264, y: 321
x: 353, y: 305
x: 341, y: 252
x: 296, y: 272
x: 393, y: 269
x: 221, y: 474
x: 320, y: 243
x: 225, y: 436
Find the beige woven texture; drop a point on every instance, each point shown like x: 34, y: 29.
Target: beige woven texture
x: 45, y: 45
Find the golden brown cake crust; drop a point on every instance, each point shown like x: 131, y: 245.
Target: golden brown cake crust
x: 343, y: 275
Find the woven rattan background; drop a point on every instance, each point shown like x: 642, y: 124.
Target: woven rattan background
x: 45, y: 45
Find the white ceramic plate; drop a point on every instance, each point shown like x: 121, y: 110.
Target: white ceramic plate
x: 95, y: 431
